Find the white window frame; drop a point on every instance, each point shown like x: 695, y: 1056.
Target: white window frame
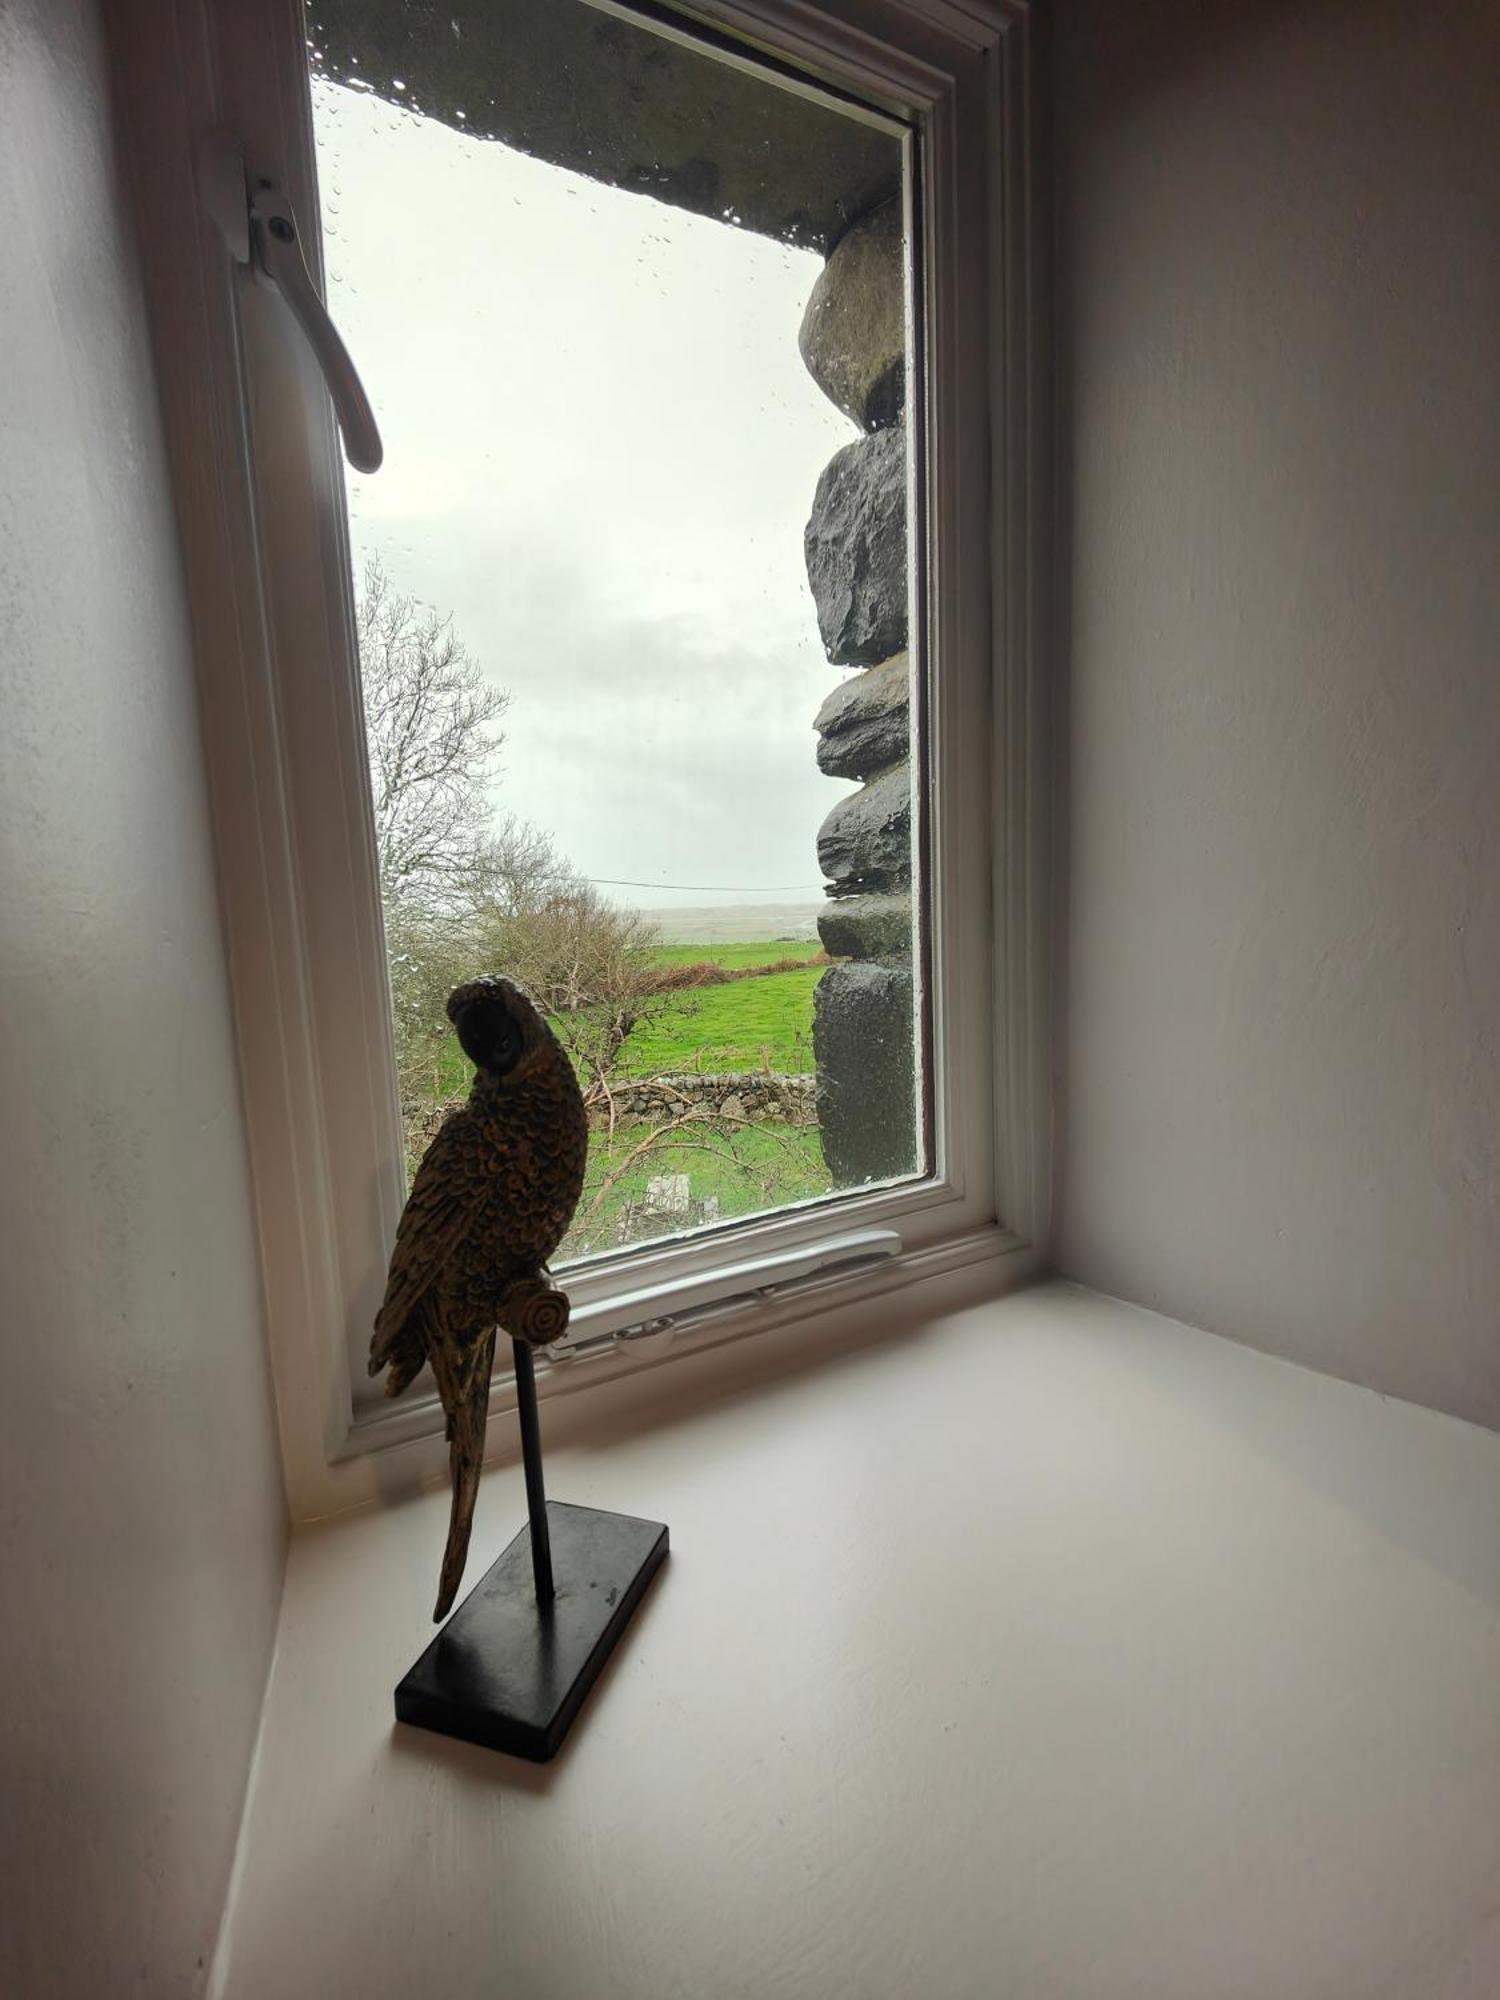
x: 260, y: 486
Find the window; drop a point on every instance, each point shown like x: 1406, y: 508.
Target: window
x: 626, y: 542
x: 639, y: 299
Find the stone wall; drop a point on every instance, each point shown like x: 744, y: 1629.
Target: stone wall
x: 748, y: 1094
x: 853, y: 339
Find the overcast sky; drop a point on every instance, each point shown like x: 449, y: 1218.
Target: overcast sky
x: 601, y: 448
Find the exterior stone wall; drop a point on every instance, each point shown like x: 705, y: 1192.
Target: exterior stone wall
x: 853, y: 340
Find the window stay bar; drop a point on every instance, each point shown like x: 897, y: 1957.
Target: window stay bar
x: 671, y: 1307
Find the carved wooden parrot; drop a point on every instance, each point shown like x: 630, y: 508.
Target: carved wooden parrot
x: 490, y: 1203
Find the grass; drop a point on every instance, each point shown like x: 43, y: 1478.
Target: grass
x: 762, y: 951
x: 747, y: 1025
x: 452, y: 1072
x: 732, y: 1169
x: 744, y: 1169
x: 752, y: 1024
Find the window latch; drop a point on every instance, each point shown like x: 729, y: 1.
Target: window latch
x: 255, y: 219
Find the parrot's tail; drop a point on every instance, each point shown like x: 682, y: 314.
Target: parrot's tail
x: 466, y: 1394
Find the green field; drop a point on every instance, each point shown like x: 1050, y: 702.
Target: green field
x: 746, y: 1024
x: 749, y: 1024
x: 760, y: 951
x: 745, y: 1170
x: 452, y: 1072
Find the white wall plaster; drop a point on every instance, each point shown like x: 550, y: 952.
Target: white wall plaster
x: 1280, y: 395
x: 141, y: 1519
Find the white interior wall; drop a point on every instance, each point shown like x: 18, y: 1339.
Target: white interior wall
x: 141, y: 1518
x: 1279, y: 309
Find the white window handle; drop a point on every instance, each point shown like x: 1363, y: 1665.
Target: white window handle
x: 256, y: 221
x: 661, y: 1308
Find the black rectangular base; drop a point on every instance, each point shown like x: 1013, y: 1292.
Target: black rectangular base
x: 507, y: 1674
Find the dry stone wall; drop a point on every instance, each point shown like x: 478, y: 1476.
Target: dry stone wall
x: 853, y: 334
x: 855, y: 546
x: 853, y: 340
x: 751, y: 1094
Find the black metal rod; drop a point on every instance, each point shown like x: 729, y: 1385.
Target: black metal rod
x: 531, y: 1456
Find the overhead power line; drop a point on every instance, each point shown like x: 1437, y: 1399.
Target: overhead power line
x: 713, y: 888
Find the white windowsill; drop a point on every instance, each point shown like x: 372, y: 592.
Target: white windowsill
x: 833, y: 1304
x: 1046, y: 1648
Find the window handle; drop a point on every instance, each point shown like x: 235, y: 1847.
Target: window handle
x: 665, y: 1308
x: 256, y: 222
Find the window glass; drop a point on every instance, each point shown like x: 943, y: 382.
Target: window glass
x: 634, y: 597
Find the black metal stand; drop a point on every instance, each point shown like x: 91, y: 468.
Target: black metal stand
x: 531, y: 1457
x: 512, y: 1666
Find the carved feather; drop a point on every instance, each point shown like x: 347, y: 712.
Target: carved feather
x: 451, y: 1193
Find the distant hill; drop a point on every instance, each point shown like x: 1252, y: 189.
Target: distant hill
x: 727, y: 923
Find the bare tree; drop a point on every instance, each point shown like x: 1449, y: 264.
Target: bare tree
x: 586, y: 963
x: 514, y: 867
x: 466, y: 892
x: 431, y: 724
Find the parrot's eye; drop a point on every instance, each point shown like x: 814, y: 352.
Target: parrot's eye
x: 489, y: 1035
